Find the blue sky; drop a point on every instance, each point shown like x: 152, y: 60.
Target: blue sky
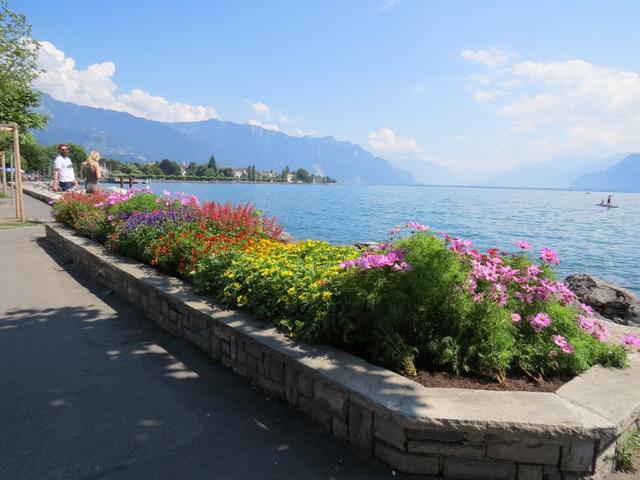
x: 474, y: 86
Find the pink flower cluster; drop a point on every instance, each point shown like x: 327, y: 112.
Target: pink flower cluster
x: 412, y: 227
x: 562, y: 342
x: 631, y: 340
x: 184, y: 199
x: 120, y: 196
x: 549, y: 256
x: 367, y: 261
x: 593, y: 326
x: 539, y: 321
x: 492, y: 278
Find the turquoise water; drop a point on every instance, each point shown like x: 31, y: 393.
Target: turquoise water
x: 588, y: 238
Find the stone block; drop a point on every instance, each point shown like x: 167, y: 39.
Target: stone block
x: 360, y: 426
x: 387, y: 431
x: 523, y: 449
x: 340, y: 429
x: 406, y: 462
x: 225, y: 348
x: 530, y: 472
x: 275, y: 388
x: 290, y: 385
x: 578, y: 456
x: 216, y: 347
x: 445, y: 449
x: 465, y: 469
x: 274, y: 368
x: 222, y: 332
x: 315, y: 411
x: 252, y: 369
x: 450, y: 436
x: 254, y: 350
x: 606, y: 457
x: 475, y: 436
x: 233, y: 344
x: 305, y: 385
x: 332, y: 399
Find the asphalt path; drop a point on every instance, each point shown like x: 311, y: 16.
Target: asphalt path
x: 91, y: 389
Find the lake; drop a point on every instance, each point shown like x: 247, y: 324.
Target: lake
x: 588, y: 238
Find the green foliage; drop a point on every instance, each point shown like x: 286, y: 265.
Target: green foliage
x: 627, y: 453
x: 169, y: 167
x: 425, y: 306
x: 18, y: 54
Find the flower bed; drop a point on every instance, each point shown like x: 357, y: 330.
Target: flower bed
x: 421, y: 297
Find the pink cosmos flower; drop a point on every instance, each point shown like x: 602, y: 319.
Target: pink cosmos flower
x: 562, y: 342
x: 515, y: 317
x: 631, y: 340
x: 539, y: 321
x: 548, y: 255
x: 587, y: 309
x: 600, y: 331
x: 523, y: 245
x: 586, y: 324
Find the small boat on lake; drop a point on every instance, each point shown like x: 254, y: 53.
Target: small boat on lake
x: 606, y: 206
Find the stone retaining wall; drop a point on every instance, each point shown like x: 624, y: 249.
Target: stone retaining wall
x: 447, y: 433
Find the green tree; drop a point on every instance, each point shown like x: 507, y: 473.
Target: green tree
x: 18, y: 54
x: 303, y: 175
x: 227, y: 172
x: 169, y: 167
x: 212, y: 165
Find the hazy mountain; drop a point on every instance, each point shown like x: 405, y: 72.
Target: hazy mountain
x: 425, y: 171
x: 624, y: 176
x: 127, y: 138
x: 559, y: 172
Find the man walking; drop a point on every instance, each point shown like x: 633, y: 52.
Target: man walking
x: 63, y: 174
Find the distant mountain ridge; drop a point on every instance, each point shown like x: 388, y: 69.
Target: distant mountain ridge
x: 624, y: 176
x: 127, y: 138
x: 559, y: 172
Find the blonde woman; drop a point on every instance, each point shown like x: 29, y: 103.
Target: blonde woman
x: 90, y: 171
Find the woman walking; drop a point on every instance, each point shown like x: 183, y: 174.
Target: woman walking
x: 90, y: 171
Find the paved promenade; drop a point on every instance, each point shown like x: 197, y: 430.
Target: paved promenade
x: 91, y: 389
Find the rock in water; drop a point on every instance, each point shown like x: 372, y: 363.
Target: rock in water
x: 611, y: 302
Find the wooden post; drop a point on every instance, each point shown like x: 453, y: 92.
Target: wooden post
x: 4, y: 175
x: 18, y: 175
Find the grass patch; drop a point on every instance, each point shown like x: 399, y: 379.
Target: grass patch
x: 626, y: 454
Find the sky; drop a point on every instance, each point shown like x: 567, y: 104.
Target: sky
x: 477, y: 87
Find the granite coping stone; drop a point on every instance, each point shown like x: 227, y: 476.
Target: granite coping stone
x: 595, y: 405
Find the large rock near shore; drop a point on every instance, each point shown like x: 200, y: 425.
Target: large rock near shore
x: 611, y: 302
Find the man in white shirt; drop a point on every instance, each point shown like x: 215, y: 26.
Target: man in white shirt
x: 63, y: 174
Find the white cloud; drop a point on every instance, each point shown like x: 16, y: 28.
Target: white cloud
x: 261, y: 109
x: 94, y: 87
x: 558, y: 107
x: 266, y: 126
x: 491, y: 57
x: 387, y: 4
x: 385, y: 140
x: 483, y: 96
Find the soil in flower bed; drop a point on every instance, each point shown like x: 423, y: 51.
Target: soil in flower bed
x: 442, y: 379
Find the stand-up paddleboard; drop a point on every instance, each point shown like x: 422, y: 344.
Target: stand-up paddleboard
x: 606, y: 206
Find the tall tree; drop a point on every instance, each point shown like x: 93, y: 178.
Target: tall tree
x: 18, y: 54
x: 212, y: 165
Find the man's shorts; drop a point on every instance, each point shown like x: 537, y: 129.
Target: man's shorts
x: 65, y: 186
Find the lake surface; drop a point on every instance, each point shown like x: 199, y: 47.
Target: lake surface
x: 588, y: 238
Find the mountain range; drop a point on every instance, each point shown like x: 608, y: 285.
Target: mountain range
x: 124, y: 137
x: 127, y: 138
